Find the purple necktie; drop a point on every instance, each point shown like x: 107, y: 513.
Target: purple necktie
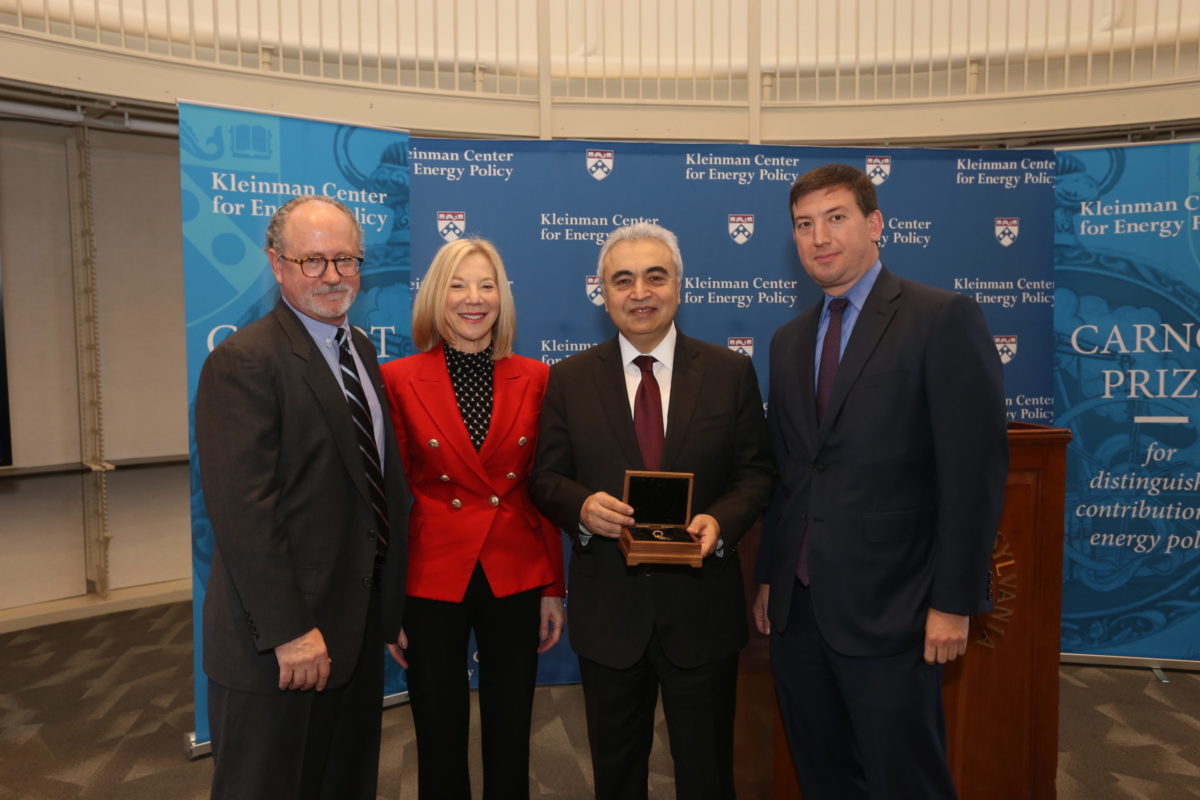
x: 831, y: 353
x: 647, y: 415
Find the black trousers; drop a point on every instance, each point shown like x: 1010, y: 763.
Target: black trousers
x: 307, y: 745
x: 698, y: 704
x: 859, y: 727
x: 506, y: 632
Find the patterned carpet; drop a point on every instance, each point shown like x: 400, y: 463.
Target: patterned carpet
x: 1125, y: 734
x: 98, y: 709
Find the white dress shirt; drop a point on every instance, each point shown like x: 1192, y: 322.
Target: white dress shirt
x: 664, y: 364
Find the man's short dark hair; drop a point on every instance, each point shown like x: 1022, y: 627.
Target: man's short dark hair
x: 833, y: 176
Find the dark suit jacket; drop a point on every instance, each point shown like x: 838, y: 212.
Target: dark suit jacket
x: 494, y: 522
x: 715, y: 428
x: 286, y: 493
x: 901, y: 484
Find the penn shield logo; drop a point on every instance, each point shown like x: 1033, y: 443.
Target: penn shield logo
x: 741, y: 227
x: 1007, y: 229
x: 452, y: 225
x: 878, y: 168
x: 595, y: 291
x: 742, y: 344
x: 1006, y: 346
x: 600, y: 163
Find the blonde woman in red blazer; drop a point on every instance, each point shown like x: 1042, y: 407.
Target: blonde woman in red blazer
x: 481, y: 556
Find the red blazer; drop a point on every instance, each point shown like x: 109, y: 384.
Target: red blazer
x: 472, y: 506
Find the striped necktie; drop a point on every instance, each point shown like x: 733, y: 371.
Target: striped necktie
x: 360, y: 412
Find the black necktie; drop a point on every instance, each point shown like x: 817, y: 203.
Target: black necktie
x: 831, y: 353
x: 360, y: 412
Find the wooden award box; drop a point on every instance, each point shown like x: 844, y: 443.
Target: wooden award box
x: 662, y: 506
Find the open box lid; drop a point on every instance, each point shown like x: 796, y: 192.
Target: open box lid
x: 659, y: 498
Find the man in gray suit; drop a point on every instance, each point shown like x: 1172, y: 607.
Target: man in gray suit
x: 308, y: 505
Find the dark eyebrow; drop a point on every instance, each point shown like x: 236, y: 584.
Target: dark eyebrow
x: 836, y: 209
x: 654, y: 269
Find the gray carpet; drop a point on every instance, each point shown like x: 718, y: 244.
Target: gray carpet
x: 1122, y: 733
x: 99, y: 708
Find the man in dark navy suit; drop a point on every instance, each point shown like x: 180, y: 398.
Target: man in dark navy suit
x: 886, y: 412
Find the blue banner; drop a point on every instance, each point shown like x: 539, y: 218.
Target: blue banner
x: 978, y: 222
x: 236, y: 168
x: 1127, y: 351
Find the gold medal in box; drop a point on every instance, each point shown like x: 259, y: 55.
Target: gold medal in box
x: 662, y: 506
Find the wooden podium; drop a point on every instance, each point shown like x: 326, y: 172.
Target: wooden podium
x: 1002, y: 698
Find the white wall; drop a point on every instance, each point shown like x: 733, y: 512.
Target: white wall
x: 35, y: 254
x: 140, y: 295
x: 135, y: 197
x: 41, y: 537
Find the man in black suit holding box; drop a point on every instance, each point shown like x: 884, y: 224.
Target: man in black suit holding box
x: 652, y: 398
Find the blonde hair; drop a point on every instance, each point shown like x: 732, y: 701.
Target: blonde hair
x: 429, y: 309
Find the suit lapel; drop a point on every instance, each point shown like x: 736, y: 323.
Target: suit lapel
x: 803, y: 360
x: 686, y: 378
x: 873, y: 320
x: 508, y: 393
x: 435, y: 393
x: 328, y: 393
x: 609, y: 384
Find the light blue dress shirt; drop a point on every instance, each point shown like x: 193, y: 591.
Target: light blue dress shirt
x: 322, y: 334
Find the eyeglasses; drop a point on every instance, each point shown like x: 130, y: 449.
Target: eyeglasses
x: 315, y: 266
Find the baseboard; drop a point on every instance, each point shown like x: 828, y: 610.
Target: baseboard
x: 84, y: 606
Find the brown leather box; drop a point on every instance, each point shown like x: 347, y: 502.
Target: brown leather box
x: 662, y: 506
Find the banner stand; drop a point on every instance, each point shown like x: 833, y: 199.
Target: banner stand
x: 236, y: 169
x: 1126, y: 369
x: 1155, y: 664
